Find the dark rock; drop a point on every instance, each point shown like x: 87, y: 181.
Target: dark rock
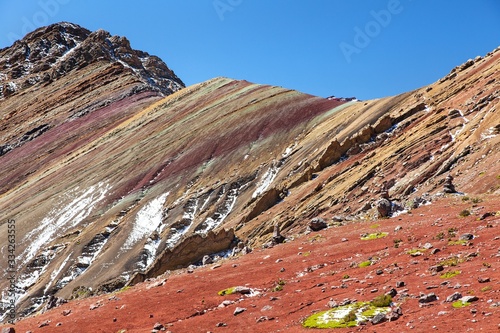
x: 206, y: 260
x: 277, y: 237
x: 317, y: 224
x: 383, y: 207
x: 434, y: 251
x: 393, y: 292
x: 54, y: 302
x: 467, y: 237
x: 66, y: 312
x: 44, y: 324
x: 453, y: 297
x: 158, y: 326
x: 378, y: 319
x: 221, y: 324
x: 469, y: 299
x: 379, y: 272
x: 448, y: 185
x: 428, y: 298
x: 400, y: 284
x: 437, y: 268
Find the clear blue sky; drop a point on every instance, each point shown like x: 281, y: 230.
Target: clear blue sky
x: 362, y: 48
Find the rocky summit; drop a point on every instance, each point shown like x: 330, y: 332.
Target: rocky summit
x: 119, y: 177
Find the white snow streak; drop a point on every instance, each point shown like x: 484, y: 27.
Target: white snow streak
x: 146, y: 221
x: 266, y: 181
x: 61, y: 219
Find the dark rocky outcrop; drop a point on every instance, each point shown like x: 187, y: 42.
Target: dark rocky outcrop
x: 190, y: 250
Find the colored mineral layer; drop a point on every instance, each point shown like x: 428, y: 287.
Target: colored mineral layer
x: 126, y: 188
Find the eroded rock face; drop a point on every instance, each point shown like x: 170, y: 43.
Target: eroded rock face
x: 98, y: 169
x: 54, y: 51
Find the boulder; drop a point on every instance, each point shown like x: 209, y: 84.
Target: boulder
x: 317, y: 224
x: 453, y: 297
x: 448, y: 186
x: 383, y: 207
x: 428, y: 298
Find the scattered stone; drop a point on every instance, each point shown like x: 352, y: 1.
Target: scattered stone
x: 483, y: 280
x: 435, y: 250
x: 44, y: 323
x: 332, y: 304
x: 453, y: 297
x: 393, y: 292
x: 379, y: 272
x: 448, y: 185
x: 264, y: 318
x: 337, y: 218
x: 225, y: 303
x: 431, y: 287
x: 485, y: 215
x: 207, y: 260
x: 59, y: 324
x: 400, y: 284
x: 427, y: 246
x: 158, y: 326
x: 424, y: 299
x: 344, y: 240
x: 467, y: 237
x: 66, y: 312
x: 239, y: 310
x: 8, y: 330
x: 379, y: 318
x: 317, y: 224
x: 383, y: 205
x: 277, y: 237
x: 469, y: 299
x: 436, y: 268
x: 94, y: 306
x: 54, y: 302
x: 221, y: 324
x: 398, y: 228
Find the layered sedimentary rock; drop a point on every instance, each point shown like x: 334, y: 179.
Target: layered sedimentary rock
x: 109, y: 167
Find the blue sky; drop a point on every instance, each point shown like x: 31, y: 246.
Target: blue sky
x: 362, y: 48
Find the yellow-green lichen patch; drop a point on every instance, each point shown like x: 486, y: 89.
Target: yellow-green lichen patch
x: 416, y: 252
x: 458, y: 242
x: 460, y: 304
x: 375, y: 235
x: 450, y: 274
x: 227, y: 291
x: 364, y: 264
x: 345, y: 316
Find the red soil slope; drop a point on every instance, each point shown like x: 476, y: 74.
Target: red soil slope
x: 314, y: 268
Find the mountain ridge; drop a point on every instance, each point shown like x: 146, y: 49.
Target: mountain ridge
x: 116, y: 176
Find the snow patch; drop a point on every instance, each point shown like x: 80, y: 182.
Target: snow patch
x: 266, y: 181
x: 60, y: 219
x: 146, y: 221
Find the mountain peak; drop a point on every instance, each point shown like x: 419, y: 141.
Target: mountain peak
x: 50, y: 52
